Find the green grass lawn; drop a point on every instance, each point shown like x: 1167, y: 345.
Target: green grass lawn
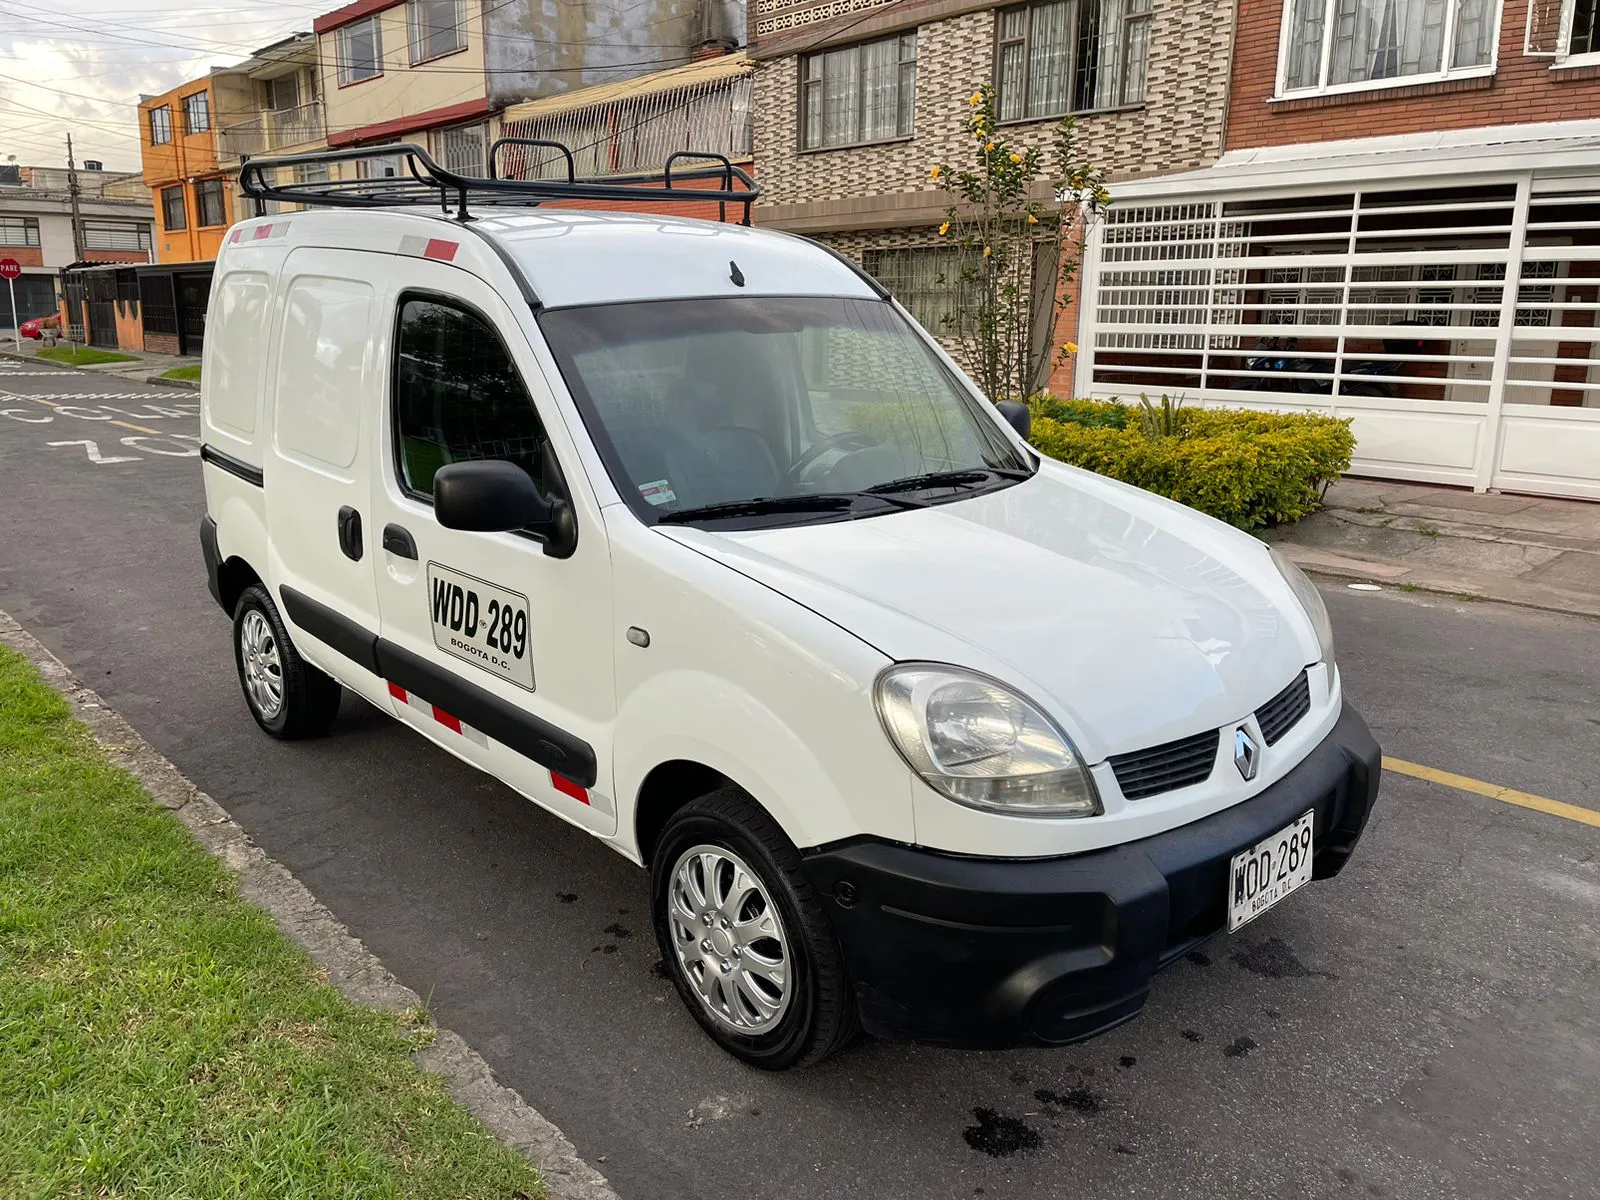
x: 84, y: 356
x: 189, y: 372
x: 159, y: 1038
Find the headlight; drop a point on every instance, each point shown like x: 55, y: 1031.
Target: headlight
x: 1311, y: 600
x: 982, y: 745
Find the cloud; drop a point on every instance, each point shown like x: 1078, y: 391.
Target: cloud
x: 79, y: 67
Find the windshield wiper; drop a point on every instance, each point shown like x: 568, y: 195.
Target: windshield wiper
x: 958, y: 478
x: 763, y: 506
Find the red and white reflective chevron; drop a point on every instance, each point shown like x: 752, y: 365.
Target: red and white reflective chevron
x: 561, y: 783
x: 454, y: 724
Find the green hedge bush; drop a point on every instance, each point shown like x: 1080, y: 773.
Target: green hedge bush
x: 1250, y: 469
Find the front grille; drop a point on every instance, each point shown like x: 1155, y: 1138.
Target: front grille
x: 1166, y: 768
x: 1280, y: 714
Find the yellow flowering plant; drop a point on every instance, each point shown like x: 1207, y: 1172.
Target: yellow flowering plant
x: 1019, y: 216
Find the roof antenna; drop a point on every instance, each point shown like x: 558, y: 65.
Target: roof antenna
x: 735, y: 274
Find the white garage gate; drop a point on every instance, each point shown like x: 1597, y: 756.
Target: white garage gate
x: 1368, y: 279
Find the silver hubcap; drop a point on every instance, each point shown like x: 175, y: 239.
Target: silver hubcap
x: 730, y: 939
x: 263, y: 669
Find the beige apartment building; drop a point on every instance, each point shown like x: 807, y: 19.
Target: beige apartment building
x: 407, y: 71
x: 854, y: 101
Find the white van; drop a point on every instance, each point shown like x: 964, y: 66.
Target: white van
x: 689, y: 534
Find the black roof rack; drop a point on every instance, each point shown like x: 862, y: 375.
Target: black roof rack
x: 422, y: 181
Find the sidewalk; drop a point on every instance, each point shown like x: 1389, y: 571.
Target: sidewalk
x: 1530, y: 550
x: 147, y: 368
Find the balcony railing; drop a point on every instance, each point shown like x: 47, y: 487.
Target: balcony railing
x: 283, y: 129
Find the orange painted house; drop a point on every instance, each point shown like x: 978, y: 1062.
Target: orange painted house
x: 192, y: 193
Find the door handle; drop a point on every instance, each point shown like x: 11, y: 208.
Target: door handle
x: 399, y: 542
x: 350, y: 534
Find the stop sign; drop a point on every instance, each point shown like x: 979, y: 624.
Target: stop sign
x: 10, y: 268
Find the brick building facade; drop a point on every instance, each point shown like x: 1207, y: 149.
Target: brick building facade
x: 1390, y: 166
x: 1152, y: 98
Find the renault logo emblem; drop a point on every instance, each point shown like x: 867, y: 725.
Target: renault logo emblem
x: 1246, y: 754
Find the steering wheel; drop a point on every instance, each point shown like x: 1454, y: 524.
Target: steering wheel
x: 850, y: 439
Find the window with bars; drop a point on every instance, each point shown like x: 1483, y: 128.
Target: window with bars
x: 1331, y: 45
x: 19, y: 231
x: 859, y: 94
x: 360, y: 46
x: 173, y: 215
x: 210, y: 208
x: 1070, y: 56
x: 436, y: 29
x: 462, y: 149
x: 109, y: 235
x: 197, y: 112
x: 161, y: 125
x: 927, y: 281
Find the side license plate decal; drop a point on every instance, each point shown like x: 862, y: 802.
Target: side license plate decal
x: 481, y: 623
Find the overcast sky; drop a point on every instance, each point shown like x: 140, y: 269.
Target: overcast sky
x: 79, y: 66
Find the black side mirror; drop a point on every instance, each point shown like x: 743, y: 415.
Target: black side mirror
x: 488, y: 496
x: 1018, y: 415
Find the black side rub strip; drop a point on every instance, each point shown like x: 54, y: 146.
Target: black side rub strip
x: 322, y: 623
x: 231, y: 465
x: 505, y: 723
x: 523, y: 732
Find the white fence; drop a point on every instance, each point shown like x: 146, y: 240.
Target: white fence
x: 1386, y: 306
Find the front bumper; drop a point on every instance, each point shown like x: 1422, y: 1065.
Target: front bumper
x: 993, y: 952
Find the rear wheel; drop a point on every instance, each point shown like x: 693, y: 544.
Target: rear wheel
x: 745, y: 936
x: 288, y: 697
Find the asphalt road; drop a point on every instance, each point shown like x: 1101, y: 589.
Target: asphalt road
x: 1423, y: 1026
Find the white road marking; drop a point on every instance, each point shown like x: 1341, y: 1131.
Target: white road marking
x: 96, y: 457
x: 57, y: 397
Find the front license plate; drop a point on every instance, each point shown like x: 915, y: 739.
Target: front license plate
x: 481, y: 623
x: 1267, y: 872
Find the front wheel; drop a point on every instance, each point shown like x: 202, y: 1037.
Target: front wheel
x: 288, y: 697
x: 745, y: 936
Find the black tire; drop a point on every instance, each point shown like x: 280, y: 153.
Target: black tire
x: 309, y: 699
x: 821, y: 1016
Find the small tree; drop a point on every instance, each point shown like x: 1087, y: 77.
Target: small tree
x: 1018, y: 252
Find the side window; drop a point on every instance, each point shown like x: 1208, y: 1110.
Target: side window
x: 458, y: 396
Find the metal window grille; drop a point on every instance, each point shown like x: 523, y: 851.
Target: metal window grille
x: 462, y: 149
x: 1386, y: 304
x: 637, y: 133
x: 928, y: 281
x: 160, y: 125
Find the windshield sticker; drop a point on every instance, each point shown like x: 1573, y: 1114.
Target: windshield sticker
x: 658, y: 493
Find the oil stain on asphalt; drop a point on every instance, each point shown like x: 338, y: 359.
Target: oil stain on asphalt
x: 999, y: 1136
x: 1275, y: 960
x: 1239, y: 1048
x: 1078, y: 1099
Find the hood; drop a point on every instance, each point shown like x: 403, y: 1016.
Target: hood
x: 1135, y: 620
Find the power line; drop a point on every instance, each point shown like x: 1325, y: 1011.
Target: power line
x: 204, y: 45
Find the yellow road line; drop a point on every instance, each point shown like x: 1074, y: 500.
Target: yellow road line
x: 1554, y: 808
x: 124, y: 424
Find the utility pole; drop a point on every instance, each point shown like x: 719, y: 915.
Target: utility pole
x: 73, y: 192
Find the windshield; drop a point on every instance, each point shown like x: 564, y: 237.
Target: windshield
x: 774, y: 410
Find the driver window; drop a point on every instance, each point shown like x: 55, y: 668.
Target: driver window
x: 458, y: 397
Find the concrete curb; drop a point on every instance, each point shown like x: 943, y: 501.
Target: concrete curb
x: 187, y: 385
x: 351, y: 968
x: 1540, y: 596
